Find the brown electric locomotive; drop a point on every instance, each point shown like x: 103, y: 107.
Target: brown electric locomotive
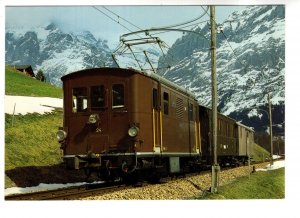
x: 121, y: 121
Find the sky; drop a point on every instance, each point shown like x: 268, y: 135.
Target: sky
x: 100, y: 19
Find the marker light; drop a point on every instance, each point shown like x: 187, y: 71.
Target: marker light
x: 93, y: 118
x: 61, y: 135
x: 133, y: 131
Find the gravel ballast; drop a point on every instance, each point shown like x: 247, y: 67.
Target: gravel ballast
x: 177, y: 189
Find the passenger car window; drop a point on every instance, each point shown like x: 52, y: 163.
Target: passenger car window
x: 97, y: 98
x: 191, y: 112
x: 118, y: 96
x: 79, y: 98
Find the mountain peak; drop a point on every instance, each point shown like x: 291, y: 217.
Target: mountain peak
x: 51, y: 26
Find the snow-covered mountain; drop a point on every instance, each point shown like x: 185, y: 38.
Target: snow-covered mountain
x: 55, y: 52
x: 245, y: 76
x: 58, y: 53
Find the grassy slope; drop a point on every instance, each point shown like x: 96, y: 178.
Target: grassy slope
x: 261, y: 185
x: 31, y: 141
x: 16, y: 83
x: 259, y: 153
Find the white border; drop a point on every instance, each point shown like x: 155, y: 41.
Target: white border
x: 145, y: 209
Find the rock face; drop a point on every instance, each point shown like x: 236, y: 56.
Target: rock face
x: 250, y: 64
x: 54, y: 51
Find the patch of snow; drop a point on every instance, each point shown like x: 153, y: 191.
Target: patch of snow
x: 24, y: 105
x: 44, y: 187
x: 254, y: 113
x: 262, y: 16
x: 276, y: 165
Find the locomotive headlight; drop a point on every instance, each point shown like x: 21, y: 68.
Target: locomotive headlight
x: 61, y: 135
x: 93, y: 118
x: 133, y: 131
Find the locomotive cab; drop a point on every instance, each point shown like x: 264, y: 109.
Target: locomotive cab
x: 97, y: 116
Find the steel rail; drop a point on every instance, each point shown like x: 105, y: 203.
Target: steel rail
x: 73, y: 193
x: 66, y: 193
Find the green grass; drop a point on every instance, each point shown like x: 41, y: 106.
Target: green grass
x: 261, y: 185
x: 259, y: 153
x: 31, y: 141
x: 17, y: 83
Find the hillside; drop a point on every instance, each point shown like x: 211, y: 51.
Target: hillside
x: 259, y: 153
x: 30, y: 140
x: 16, y: 83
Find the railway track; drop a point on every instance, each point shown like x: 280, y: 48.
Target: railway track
x: 68, y: 193
x: 77, y: 192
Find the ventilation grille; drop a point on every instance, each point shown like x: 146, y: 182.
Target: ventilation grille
x: 179, y: 108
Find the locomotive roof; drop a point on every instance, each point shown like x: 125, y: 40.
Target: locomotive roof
x: 133, y: 71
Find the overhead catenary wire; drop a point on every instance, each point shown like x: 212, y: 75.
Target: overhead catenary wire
x: 159, y: 42
x: 194, y: 24
x: 112, y: 18
x: 117, y: 21
x: 174, y: 25
x: 121, y: 18
x: 184, y: 23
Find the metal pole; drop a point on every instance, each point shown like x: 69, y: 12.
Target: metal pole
x: 215, y: 167
x: 13, y: 117
x: 271, y: 133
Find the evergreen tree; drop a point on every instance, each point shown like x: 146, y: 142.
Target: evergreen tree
x: 40, y: 76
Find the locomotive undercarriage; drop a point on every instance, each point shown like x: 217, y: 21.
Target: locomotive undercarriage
x: 132, y: 168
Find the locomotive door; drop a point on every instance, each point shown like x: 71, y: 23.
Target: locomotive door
x: 111, y: 132
x: 156, y: 119
x: 119, y: 116
x: 99, y: 134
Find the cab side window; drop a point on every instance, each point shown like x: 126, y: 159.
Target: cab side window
x: 155, y: 99
x: 118, y: 96
x: 79, y: 99
x: 166, y: 103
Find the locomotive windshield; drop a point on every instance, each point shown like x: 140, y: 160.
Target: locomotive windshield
x: 118, y: 95
x: 97, y: 97
x: 79, y: 96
